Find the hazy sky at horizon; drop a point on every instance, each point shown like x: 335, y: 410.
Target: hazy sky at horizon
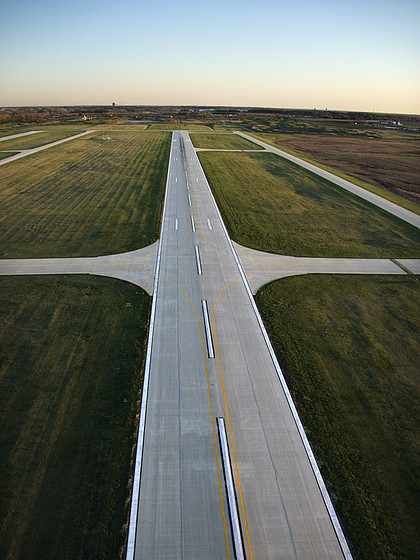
x: 350, y: 55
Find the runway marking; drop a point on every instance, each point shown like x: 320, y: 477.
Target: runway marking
x: 196, y: 179
x: 189, y: 201
x: 209, y: 224
x: 193, y: 223
x: 209, y: 338
x: 198, y: 260
x: 176, y: 179
x: 211, y: 413
x: 230, y: 488
x: 176, y: 224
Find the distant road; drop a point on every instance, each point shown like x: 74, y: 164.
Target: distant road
x: 406, y: 215
x: 24, y: 153
x: 2, y: 138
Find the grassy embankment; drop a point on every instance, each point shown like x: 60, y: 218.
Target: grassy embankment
x: 385, y: 163
x: 71, y: 359
x: 273, y: 205
x: 85, y: 197
x: 348, y: 345
x: 71, y: 351
x: 349, y: 349
x: 222, y: 142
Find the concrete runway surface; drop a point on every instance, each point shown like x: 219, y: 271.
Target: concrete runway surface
x: 284, y: 509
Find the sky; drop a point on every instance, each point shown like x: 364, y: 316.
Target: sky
x: 361, y: 55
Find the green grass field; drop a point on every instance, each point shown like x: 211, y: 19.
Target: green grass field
x: 35, y: 140
x: 273, y: 205
x: 365, y: 160
x: 86, y: 197
x: 71, y: 357
x: 349, y: 349
x: 222, y: 142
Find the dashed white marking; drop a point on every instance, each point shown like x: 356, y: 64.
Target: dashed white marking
x: 193, y: 223
x: 209, y: 224
x: 189, y: 201
x: 198, y: 260
x: 176, y: 179
x: 233, y: 507
x: 209, y: 338
x: 176, y: 224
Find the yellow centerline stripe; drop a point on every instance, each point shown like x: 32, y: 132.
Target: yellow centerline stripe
x: 211, y: 412
x: 228, y: 419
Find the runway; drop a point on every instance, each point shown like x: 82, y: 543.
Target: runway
x: 283, y: 508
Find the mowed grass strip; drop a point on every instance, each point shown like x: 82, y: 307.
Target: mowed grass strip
x: 71, y: 358
x: 87, y: 197
x: 36, y: 140
x: 349, y: 349
x: 222, y: 142
x: 272, y: 205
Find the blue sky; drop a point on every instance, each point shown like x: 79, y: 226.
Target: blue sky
x: 354, y: 55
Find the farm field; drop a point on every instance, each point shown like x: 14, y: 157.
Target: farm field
x: 272, y: 205
x: 349, y: 349
x: 388, y: 160
x: 35, y: 140
x: 71, y: 358
x: 86, y: 197
x: 222, y: 142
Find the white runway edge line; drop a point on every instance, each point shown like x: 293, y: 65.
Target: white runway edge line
x: 209, y: 338
x: 198, y: 260
x: 233, y: 506
x: 193, y: 223
x: 132, y: 529
x: 327, y: 500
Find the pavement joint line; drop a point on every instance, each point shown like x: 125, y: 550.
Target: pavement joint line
x: 230, y: 487
x: 211, y: 414
x: 209, y: 338
x: 198, y: 260
x: 135, y: 494
x: 227, y: 415
x: 327, y: 500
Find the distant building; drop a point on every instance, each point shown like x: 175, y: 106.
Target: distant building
x: 115, y: 104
